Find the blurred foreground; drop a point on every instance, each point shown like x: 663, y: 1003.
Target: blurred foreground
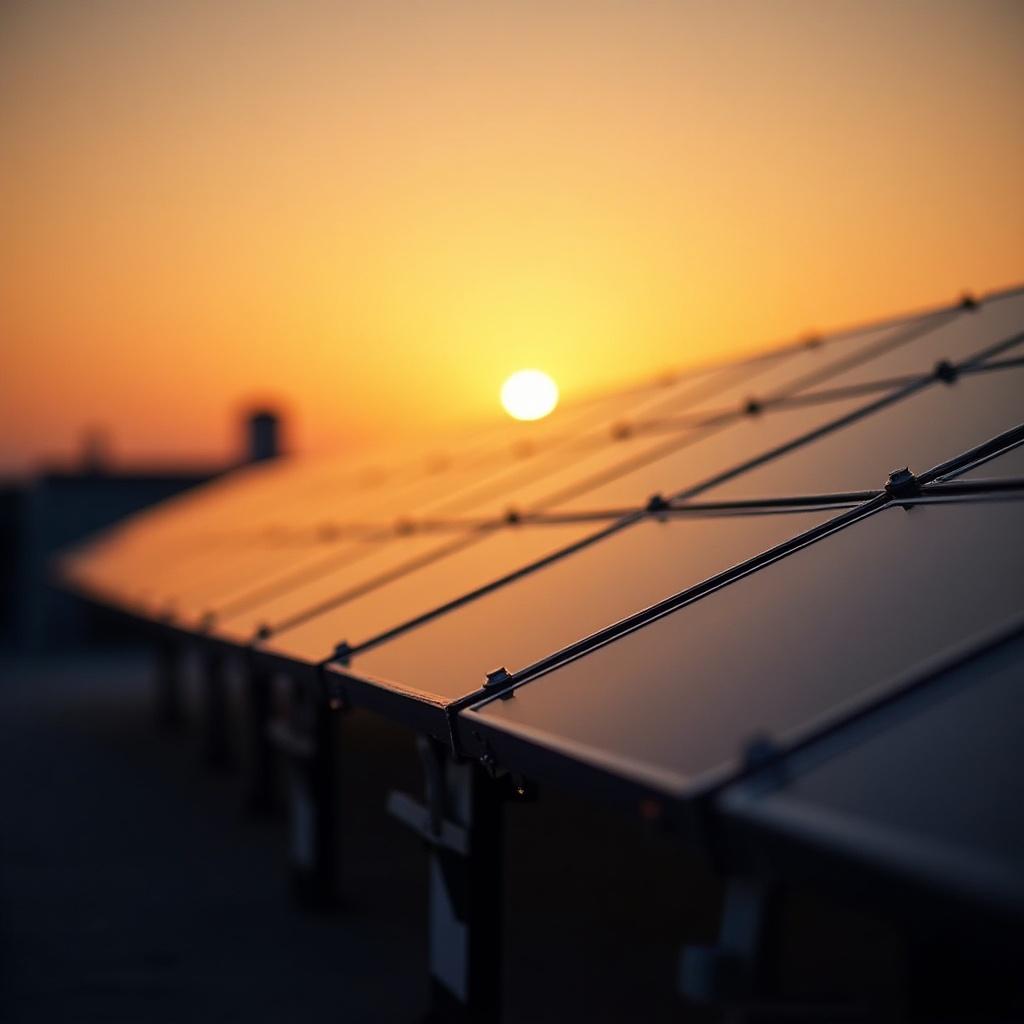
x: 133, y: 888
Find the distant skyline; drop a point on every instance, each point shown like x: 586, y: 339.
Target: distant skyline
x: 374, y: 212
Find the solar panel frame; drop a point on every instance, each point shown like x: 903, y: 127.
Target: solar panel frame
x: 788, y: 836
x: 807, y: 387
x: 677, y: 799
x: 962, y: 412
x: 351, y: 685
x: 928, y: 379
x: 584, y: 533
x: 529, y: 617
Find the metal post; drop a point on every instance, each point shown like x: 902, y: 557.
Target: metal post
x: 170, y: 714
x: 742, y: 966
x: 216, y: 745
x: 259, y: 795
x: 462, y: 823
x: 309, y: 737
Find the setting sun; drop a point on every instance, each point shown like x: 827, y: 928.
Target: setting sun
x: 529, y: 395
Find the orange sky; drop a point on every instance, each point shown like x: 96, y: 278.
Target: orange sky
x: 377, y: 210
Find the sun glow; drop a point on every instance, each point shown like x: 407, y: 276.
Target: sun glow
x: 529, y: 395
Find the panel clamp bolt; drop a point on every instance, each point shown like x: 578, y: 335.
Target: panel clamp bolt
x: 497, y: 677
x: 902, y: 484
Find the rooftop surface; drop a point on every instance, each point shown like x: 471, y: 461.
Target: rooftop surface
x: 133, y: 888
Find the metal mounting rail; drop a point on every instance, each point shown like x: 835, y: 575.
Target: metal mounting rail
x: 1005, y: 441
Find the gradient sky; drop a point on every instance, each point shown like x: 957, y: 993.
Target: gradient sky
x: 375, y: 211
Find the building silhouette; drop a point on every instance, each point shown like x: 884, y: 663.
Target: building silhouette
x: 59, y: 506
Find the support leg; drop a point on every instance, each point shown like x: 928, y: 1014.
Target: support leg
x: 309, y: 737
x: 216, y: 745
x: 170, y: 715
x: 259, y: 795
x: 463, y: 825
x: 742, y: 966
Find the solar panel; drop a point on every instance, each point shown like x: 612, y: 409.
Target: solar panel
x: 201, y: 533
x: 516, y: 625
x: 674, y: 703
x: 625, y: 477
x: 689, y: 460
x: 790, y: 370
x: 918, y: 431
x: 926, y: 789
x: 418, y: 591
x: 266, y: 599
x: 821, y: 463
x: 692, y: 461
x: 952, y: 338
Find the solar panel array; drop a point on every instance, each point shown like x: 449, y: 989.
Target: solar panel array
x: 674, y: 594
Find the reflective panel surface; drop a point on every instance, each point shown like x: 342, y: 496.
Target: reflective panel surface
x: 805, y: 365
x: 929, y: 785
x: 532, y: 617
x: 955, y: 338
x: 781, y: 649
x: 422, y: 590
x: 698, y: 459
x: 922, y: 430
x: 276, y: 602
